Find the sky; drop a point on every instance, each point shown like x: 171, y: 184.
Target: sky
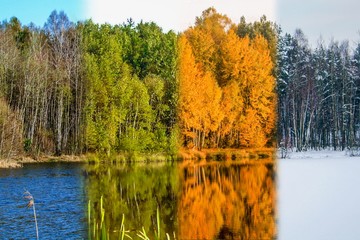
x: 176, y: 14
x: 38, y: 11
x: 330, y: 19
x: 327, y: 18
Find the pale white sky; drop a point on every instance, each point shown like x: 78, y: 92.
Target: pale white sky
x: 175, y: 14
x: 337, y: 19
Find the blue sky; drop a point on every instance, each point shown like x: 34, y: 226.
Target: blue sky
x: 38, y: 11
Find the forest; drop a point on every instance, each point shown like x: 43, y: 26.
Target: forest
x: 74, y: 88
x: 221, y: 66
x: 318, y: 94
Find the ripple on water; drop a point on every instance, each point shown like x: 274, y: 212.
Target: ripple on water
x: 59, y: 200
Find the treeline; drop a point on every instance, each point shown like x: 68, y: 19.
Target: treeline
x: 131, y: 88
x: 227, y: 83
x: 71, y: 88
x: 41, y: 86
x: 319, y: 94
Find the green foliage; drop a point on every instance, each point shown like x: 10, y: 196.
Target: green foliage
x: 174, y: 141
x: 89, y: 87
x: 104, y: 71
x: 27, y: 145
x: 153, y: 54
x: 127, y: 70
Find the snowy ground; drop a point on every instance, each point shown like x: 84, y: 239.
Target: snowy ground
x: 322, y: 154
x: 318, y: 196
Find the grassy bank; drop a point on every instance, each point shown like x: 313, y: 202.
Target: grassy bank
x: 18, y: 162
x: 183, y: 154
x: 126, y: 157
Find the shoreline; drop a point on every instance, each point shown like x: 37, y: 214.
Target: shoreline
x: 184, y: 154
x: 226, y: 154
x: 18, y: 162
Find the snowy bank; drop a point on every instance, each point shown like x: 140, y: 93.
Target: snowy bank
x: 313, y: 154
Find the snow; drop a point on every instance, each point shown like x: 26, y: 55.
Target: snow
x: 318, y: 196
x: 313, y: 154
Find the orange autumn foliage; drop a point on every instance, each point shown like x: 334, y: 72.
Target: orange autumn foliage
x: 219, y: 201
x: 199, y: 98
x: 226, y: 86
x: 188, y: 91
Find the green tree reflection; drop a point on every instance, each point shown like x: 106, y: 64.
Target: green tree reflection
x: 135, y: 191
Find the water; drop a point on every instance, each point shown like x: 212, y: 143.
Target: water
x: 60, y: 199
x: 135, y: 191
x: 319, y: 198
x: 196, y: 200
x: 313, y: 199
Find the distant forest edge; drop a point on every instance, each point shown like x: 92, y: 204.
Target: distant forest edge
x: 319, y: 94
x: 73, y: 88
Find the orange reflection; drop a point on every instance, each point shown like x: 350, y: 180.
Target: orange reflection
x: 227, y: 201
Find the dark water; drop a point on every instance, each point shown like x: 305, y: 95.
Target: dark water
x: 196, y: 200
x: 60, y: 200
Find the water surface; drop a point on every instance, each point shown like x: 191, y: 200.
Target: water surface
x: 58, y: 190
x: 196, y: 200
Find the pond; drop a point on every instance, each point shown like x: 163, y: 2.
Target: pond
x: 187, y: 200
x: 195, y: 200
x: 60, y: 199
x: 310, y: 199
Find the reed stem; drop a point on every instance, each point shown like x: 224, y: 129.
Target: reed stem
x: 31, y: 203
x: 36, y: 225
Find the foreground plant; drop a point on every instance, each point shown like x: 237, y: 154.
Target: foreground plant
x: 31, y: 203
x: 99, y: 231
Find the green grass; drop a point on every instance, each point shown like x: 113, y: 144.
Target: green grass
x: 99, y: 231
x: 119, y: 158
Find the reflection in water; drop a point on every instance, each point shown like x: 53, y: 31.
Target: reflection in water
x: 203, y: 200
x: 135, y: 191
x: 227, y: 201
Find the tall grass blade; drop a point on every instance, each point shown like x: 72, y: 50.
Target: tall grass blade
x: 142, y: 234
x: 123, y: 232
x: 158, y: 223
x: 89, y: 219
x: 102, y: 211
x: 98, y: 230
